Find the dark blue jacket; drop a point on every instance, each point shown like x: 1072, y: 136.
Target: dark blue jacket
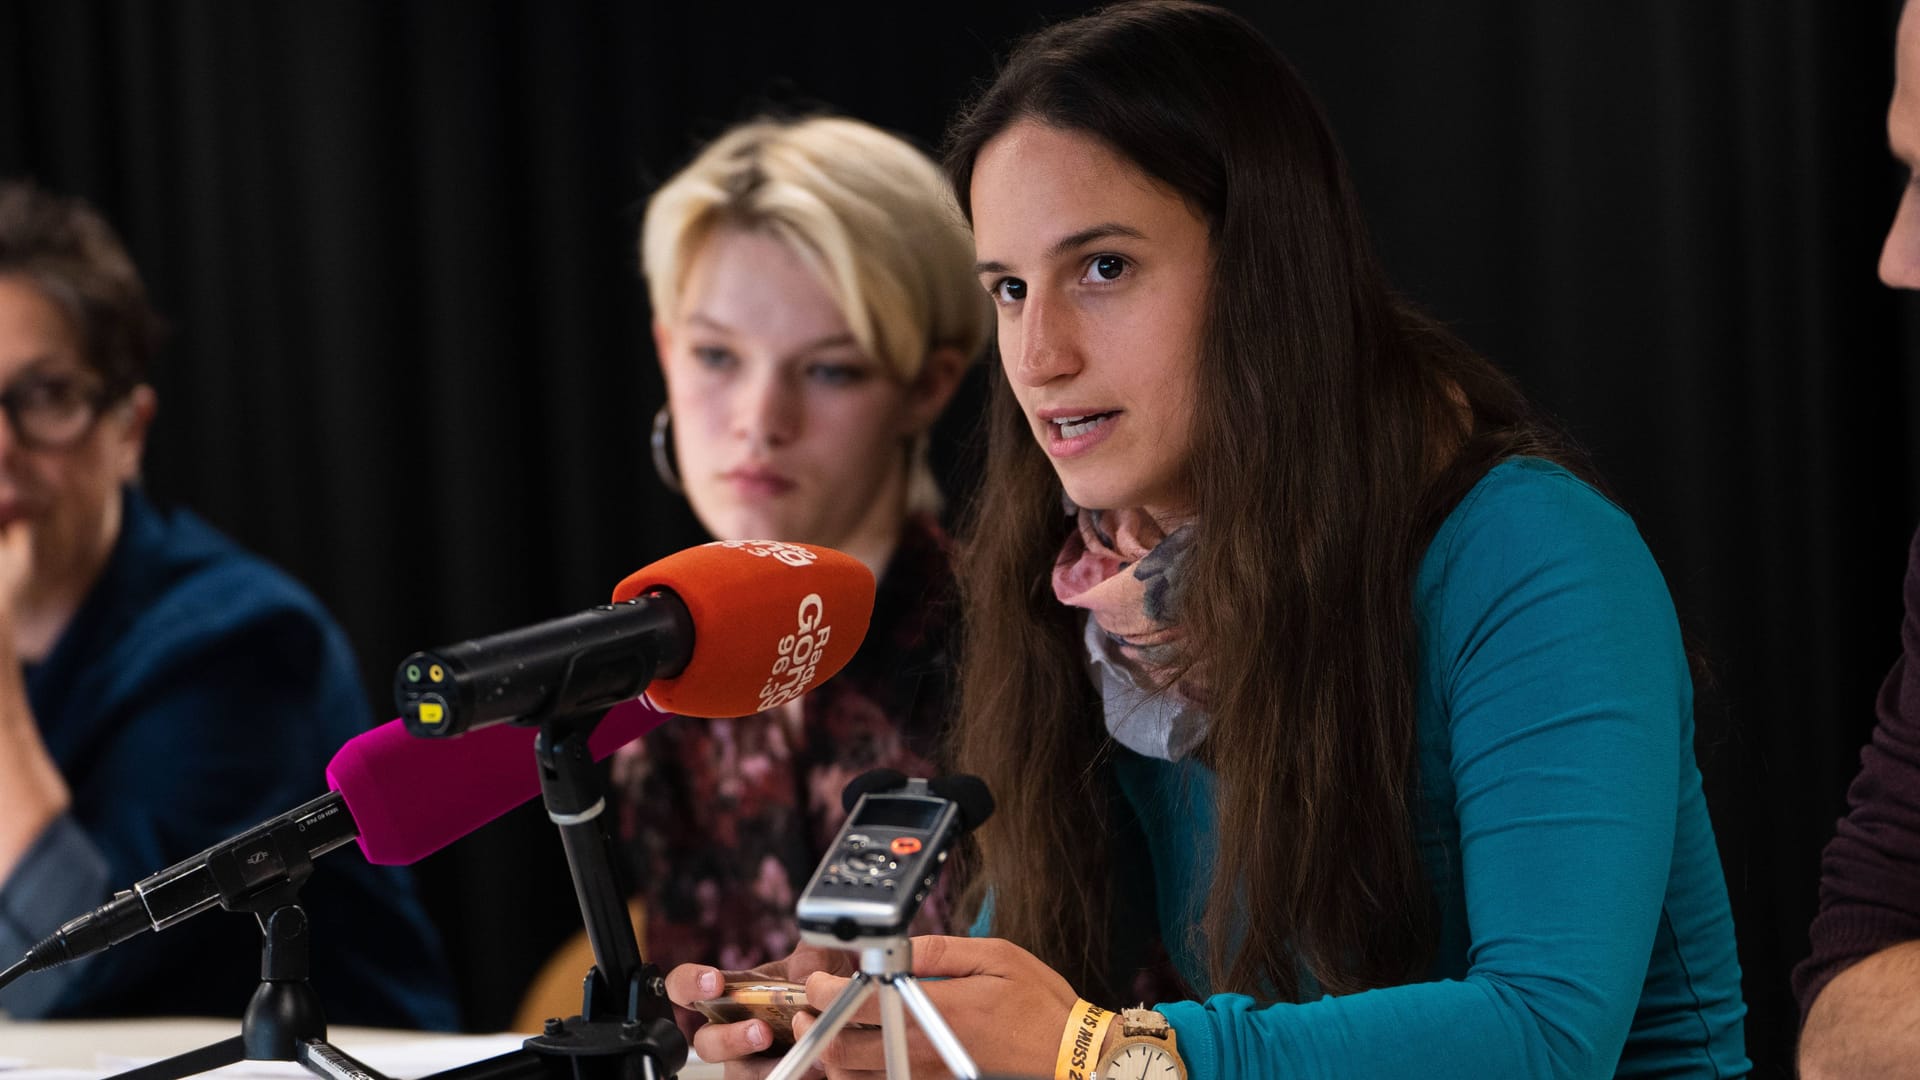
x: 197, y: 692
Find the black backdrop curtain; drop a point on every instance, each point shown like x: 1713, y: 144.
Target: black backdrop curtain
x: 410, y: 359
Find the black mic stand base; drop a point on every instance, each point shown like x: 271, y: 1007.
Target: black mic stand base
x: 283, y: 1021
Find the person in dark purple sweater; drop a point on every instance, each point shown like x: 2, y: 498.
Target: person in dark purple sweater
x: 1859, y: 991
x: 1864, y: 973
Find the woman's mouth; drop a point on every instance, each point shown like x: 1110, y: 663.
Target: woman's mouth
x: 1075, y: 426
x: 758, y: 483
x: 1070, y: 434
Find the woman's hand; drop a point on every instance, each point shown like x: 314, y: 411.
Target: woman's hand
x: 741, y: 1045
x: 16, y: 567
x: 32, y: 791
x: 1006, y: 1007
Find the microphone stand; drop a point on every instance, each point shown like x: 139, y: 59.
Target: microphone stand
x: 625, y: 1029
x: 283, y: 1021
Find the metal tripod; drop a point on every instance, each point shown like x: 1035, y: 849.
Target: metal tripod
x: 886, y: 969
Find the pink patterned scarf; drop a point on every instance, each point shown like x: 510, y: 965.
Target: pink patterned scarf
x: 1125, y: 570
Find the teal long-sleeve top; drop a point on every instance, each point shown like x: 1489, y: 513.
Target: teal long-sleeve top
x: 1584, y: 928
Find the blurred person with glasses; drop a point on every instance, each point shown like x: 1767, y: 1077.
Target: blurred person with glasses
x: 160, y: 688
x: 52, y: 412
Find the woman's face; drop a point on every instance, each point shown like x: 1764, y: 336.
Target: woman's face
x: 67, y: 496
x: 783, y: 427
x: 1099, y: 276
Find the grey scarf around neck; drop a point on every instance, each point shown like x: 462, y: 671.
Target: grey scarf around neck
x: 1155, y: 725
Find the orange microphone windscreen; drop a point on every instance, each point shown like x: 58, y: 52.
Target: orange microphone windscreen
x: 772, y: 620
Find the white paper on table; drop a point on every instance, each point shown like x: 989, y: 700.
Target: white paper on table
x: 414, y: 1057
x: 409, y: 1058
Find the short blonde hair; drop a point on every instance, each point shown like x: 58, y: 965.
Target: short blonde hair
x: 869, y: 214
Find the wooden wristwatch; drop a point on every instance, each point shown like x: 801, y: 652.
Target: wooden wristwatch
x: 1144, y: 1050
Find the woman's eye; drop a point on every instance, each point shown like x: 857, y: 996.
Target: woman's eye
x: 41, y: 395
x: 1009, y: 290
x: 1106, y: 268
x: 836, y: 374
x: 713, y: 357
x: 49, y: 393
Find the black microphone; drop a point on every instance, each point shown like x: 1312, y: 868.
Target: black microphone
x: 276, y: 852
x: 572, y: 665
x: 772, y: 620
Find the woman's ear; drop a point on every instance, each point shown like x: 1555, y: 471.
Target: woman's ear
x: 131, y: 443
x: 933, y: 388
x: 662, y: 346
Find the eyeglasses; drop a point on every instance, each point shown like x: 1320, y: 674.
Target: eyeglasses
x: 52, y: 412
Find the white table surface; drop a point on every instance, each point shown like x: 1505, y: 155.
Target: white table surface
x: 77, y: 1049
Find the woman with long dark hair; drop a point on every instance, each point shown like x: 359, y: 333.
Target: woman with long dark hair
x: 1337, y: 683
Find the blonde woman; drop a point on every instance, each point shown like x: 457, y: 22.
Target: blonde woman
x: 814, y: 309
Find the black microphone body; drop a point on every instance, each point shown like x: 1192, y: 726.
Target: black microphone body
x: 578, y: 663
x: 276, y: 852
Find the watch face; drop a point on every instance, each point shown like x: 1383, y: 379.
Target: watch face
x: 1142, y: 1061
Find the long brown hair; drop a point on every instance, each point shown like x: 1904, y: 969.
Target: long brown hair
x: 1335, y: 427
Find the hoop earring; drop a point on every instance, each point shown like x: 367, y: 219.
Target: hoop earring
x: 662, y: 462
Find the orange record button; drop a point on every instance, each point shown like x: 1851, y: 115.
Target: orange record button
x: 905, y: 845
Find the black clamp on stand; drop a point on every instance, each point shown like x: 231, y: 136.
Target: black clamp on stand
x: 625, y: 1030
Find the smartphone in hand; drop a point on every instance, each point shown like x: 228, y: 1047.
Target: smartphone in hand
x: 759, y: 999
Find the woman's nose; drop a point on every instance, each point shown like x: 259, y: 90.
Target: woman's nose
x: 768, y: 413
x: 1900, y: 255
x: 1045, y: 346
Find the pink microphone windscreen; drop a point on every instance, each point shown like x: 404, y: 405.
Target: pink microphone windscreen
x: 410, y: 797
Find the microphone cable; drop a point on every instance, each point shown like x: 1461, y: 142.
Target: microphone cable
x: 19, y: 968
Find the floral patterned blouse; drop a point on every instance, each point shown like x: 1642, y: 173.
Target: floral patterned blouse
x: 723, y: 821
